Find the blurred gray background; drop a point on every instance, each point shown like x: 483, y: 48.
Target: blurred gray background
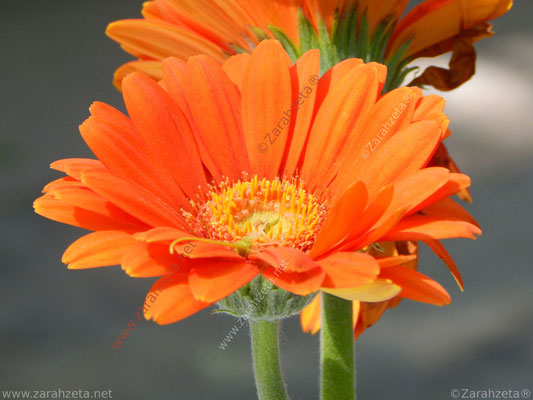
x: 58, y: 326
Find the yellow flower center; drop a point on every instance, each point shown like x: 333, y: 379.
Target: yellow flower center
x: 264, y: 212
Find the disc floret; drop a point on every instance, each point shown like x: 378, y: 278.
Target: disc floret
x: 262, y: 212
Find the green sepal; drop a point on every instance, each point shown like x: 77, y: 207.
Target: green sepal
x: 238, y: 49
x: 350, y: 38
x: 345, y: 35
x: 396, y: 67
x: 307, y: 34
x: 328, y: 51
x: 400, y: 77
x: 287, y: 43
x: 259, y: 33
x: 380, y: 40
x: 377, y: 246
x: 262, y: 300
x: 362, y: 43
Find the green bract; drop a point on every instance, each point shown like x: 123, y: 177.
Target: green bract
x: 350, y: 38
x: 262, y: 300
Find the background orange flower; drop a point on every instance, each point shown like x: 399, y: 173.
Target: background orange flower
x: 219, y: 28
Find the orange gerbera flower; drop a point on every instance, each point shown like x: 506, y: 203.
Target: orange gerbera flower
x: 232, y: 162
x: 368, y: 29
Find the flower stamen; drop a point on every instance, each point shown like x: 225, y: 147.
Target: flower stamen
x: 260, y: 212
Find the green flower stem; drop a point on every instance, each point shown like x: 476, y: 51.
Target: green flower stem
x: 267, y: 367
x: 337, y: 349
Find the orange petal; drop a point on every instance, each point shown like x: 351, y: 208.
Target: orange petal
x: 341, y: 218
x: 428, y: 105
x: 236, y: 67
x: 165, y: 130
x: 75, y: 166
x: 325, y: 9
x: 443, y: 220
x: 379, y: 290
x: 392, y: 113
x: 78, y: 195
x: 350, y: 98
x: 147, y: 67
x: 290, y: 269
x: 210, y: 250
x: 219, y: 22
x: 134, y: 199
x: 450, y: 209
x: 434, y: 21
x: 165, y: 235
x: 310, y: 316
x: 300, y: 283
x: 113, y: 139
x: 151, y: 12
x: 349, y: 270
x: 63, y: 183
x: 367, y: 314
x: 264, y: 111
x: 416, y: 286
x: 97, y: 249
x: 440, y: 251
x: 171, y: 300
x: 441, y: 158
x: 59, y: 211
x: 371, y: 215
x: 330, y: 79
x: 282, y: 14
x: 387, y: 262
x: 190, y: 248
x: 211, y: 93
x: 286, y: 259
x: 158, y: 41
x: 304, y: 76
x: 379, y: 10
x: 432, y: 108
x: 457, y: 183
x: 378, y: 231
x: 175, y: 83
x: 423, y: 228
x: 389, y: 115
x: 147, y: 260
x: 414, y: 190
x: 213, y: 279
x: 403, y: 154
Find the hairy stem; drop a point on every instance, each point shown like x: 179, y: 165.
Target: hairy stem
x: 267, y: 367
x: 337, y: 349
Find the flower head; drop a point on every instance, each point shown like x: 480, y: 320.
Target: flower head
x: 370, y: 29
x: 257, y: 167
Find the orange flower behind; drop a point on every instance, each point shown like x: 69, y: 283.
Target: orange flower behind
x: 234, y: 160
x: 221, y: 28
